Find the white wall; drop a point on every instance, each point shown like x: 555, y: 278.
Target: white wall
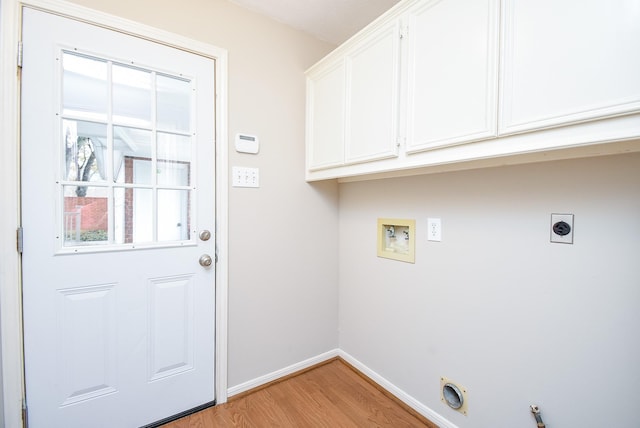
x: 495, y: 306
x: 282, y: 255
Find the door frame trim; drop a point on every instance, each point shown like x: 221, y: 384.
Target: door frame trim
x: 11, y: 339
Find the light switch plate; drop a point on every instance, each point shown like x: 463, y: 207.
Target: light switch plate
x: 245, y: 177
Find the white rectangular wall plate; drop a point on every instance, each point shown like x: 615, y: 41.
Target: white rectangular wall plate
x: 245, y: 177
x: 562, y: 228
x: 434, y: 229
x: 246, y: 143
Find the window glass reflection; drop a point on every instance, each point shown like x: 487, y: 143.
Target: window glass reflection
x: 132, y: 155
x: 173, y: 103
x: 84, y: 87
x: 133, y: 210
x: 84, y: 150
x: 173, y: 215
x: 132, y: 96
x: 86, y: 217
x: 174, y: 156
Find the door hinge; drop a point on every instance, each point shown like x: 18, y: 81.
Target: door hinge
x: 25, y: 414
x: 20, y: 240
x: 20, y: 53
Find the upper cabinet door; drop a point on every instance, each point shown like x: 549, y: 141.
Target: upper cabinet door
x: 325, y: 116
x: 373, y: 95
x: 568, y: 61
x: 452, y: 72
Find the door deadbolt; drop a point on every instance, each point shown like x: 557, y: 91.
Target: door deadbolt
x: 205, y: 235
x: 205, y: 260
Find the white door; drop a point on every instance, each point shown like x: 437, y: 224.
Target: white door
x: 117, y: 186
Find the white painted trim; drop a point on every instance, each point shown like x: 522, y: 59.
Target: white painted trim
x: 113, y: 22
x: 10, y: 286
x: 400, y: 394
x: 10, y: 291
x: 222, y: 230
x: 270, y: 377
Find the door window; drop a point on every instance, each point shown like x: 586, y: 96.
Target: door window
x: 126, y: 139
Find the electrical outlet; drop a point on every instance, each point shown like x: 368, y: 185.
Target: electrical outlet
x: 245, y: 177
x: 562, y: 228
x: 434, y: 229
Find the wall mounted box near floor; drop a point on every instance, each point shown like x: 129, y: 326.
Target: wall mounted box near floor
x: 454, y: 395
x: 396, y: 239
x: 419, y: 87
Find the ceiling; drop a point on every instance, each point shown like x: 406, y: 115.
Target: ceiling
x: 333, y: 21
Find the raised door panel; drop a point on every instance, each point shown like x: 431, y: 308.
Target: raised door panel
x: 325, y: 116
x: 170, y: 326
x: 372, y: 95
x: 451, y: 72
x: 87, y: 354
x: 567, y: 62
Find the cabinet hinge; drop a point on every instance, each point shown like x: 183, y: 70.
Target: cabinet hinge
x: 20, y: 241
x: 20, y: 54
x: 404, y: 32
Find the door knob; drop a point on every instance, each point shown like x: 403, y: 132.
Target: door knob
x: 205, y: 260
x: 205, y: 235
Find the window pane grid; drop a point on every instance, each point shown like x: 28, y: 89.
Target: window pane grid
x: 118, y: 159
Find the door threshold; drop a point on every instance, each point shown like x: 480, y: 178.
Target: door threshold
x: 180, y: 415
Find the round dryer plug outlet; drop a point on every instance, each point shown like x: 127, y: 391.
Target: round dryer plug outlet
x: 562, y: 228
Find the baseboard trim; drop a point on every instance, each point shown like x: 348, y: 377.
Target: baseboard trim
x: 279, y: 375
x: 256, y: 384
x: 397, y: 392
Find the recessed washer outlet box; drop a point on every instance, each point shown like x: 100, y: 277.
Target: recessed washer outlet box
x: 562, y: 228
x: 453, y: 395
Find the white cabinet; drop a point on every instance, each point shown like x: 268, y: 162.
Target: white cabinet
x: 325, y: 116
x: 436, y: 85
x: 372, y: 95
x: 352, y: 101
x: 452, y: 72
x: 568, y: 61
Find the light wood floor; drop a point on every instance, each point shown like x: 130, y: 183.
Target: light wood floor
x: 331, y: 395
